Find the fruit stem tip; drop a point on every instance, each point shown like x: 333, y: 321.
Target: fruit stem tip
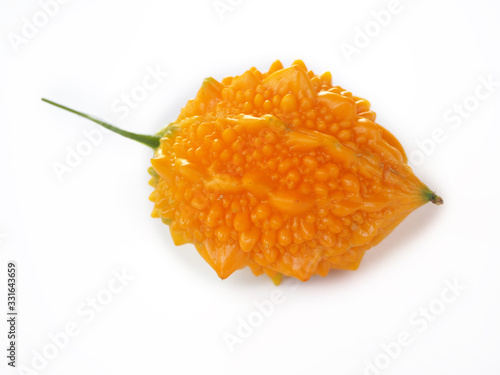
x: 436, y: 199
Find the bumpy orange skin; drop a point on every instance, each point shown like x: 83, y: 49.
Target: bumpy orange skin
x: 281, y: 172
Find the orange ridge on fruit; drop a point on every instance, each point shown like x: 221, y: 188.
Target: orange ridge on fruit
x: 281, y: 172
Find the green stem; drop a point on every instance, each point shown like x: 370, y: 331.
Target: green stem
x: 152, y: 141
x: 432, y: 197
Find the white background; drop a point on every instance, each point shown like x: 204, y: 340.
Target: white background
x: 69, y: 235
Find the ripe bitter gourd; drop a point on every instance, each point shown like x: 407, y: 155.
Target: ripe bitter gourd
x: 280, y: 171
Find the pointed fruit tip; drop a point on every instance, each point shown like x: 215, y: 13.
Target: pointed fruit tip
x: 436, y: 199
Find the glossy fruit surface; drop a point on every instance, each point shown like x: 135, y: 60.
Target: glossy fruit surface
x: 281, y: 172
